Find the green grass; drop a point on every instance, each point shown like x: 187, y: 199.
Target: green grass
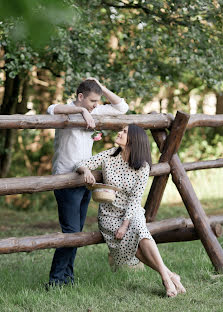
x: 98, y: 289
x: 207, y: 184
x: 22, y: 275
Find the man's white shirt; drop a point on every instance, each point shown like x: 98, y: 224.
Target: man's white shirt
x: 75, y: 144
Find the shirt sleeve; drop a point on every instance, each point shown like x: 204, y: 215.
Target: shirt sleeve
x: 95, y: 161
x: 112, y: 109
x: 135, y: 197
x: 50, y: 109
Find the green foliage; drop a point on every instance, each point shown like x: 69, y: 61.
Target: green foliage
x: 201, y: 144
x: 32, y: 153
x: 155, y: 43
x: 36, y: 21
x: 160, y: 42
x: 133, y: 47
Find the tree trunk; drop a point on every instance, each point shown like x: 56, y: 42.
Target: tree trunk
x: 11, y: 105
x: 219, y: 104
x: 219, y: 110
x: 7, y: 140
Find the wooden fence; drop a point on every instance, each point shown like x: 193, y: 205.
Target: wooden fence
x: 167, y: 131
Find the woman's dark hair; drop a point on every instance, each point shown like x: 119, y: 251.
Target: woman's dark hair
x: 138, y: 147
x: 88, y: 86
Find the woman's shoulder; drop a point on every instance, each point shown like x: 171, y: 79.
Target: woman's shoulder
x: 112, y: 150
x: 145, y: 168
x: 108, y: 152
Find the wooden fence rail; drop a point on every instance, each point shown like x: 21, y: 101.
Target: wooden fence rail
x: 34, y: 184
x: 108, y: 122
x: 163, y: 232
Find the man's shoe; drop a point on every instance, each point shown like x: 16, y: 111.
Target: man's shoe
x: 53, y: 285
x: 60, y: 284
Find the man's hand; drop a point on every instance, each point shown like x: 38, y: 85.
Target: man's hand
x: 111, y: 97
x: 67, y: 109
x: 96, y: 80
x: 88, y: 118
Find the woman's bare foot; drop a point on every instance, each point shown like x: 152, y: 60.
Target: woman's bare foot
x: 175, y: 278
x: 170, y: 288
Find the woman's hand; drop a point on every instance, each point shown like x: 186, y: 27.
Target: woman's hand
x: 88, y: 176
x: 122, y: 230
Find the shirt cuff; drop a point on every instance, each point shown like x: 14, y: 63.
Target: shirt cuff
x: 77, y: 165
x: 122, y: 106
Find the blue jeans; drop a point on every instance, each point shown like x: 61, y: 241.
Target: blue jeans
x: 72, y: 209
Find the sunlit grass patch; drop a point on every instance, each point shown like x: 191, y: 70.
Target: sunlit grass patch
x: 97, y: 288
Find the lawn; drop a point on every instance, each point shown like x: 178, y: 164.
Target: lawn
x: 97, y: 288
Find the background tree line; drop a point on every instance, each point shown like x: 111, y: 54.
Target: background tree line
x: 139, y: 49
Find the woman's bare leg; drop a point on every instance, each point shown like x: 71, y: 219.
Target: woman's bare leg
x: 149, y: 254
x: 174, y: 276
x: 140, y: 256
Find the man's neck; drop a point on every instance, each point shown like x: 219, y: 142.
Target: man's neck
x: 77, y: 103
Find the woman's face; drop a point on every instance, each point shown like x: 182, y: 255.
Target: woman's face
x: 121, y: 138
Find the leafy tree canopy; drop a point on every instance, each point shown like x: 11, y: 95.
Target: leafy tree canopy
x: 36, y: 20
x: 134, y: 46
x: 167, y: 41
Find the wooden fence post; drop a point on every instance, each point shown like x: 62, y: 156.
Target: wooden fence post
x: 195, y: 210
x: 168, y: 147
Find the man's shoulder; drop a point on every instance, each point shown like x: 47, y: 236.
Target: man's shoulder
x: 70, y: 103
x: 113, y: 109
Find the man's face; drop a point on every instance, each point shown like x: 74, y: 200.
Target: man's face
x: 89, y: 102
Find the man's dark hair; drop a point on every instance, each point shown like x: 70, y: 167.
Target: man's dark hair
x: 138, y: 147
x: 88, y: 86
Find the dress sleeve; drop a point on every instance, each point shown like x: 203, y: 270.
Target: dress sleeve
x: 95, y: 161
x: 135, y: 196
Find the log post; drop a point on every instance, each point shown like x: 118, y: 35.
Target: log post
x: 217, y: 229
x: 195, y: 210
x: 168, y: 147
x: 196, y: 213
x: 184, y: 234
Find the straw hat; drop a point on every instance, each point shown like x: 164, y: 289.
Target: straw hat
x: 103, y: 193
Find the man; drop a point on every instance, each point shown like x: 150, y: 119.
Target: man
x: 71, y: 146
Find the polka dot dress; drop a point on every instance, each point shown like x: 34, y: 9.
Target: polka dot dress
x: 126, y: 206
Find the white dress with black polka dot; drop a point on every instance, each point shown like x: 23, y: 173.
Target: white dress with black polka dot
x: 127, y: 204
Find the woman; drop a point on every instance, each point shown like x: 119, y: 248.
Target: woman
x: 122, y: 223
